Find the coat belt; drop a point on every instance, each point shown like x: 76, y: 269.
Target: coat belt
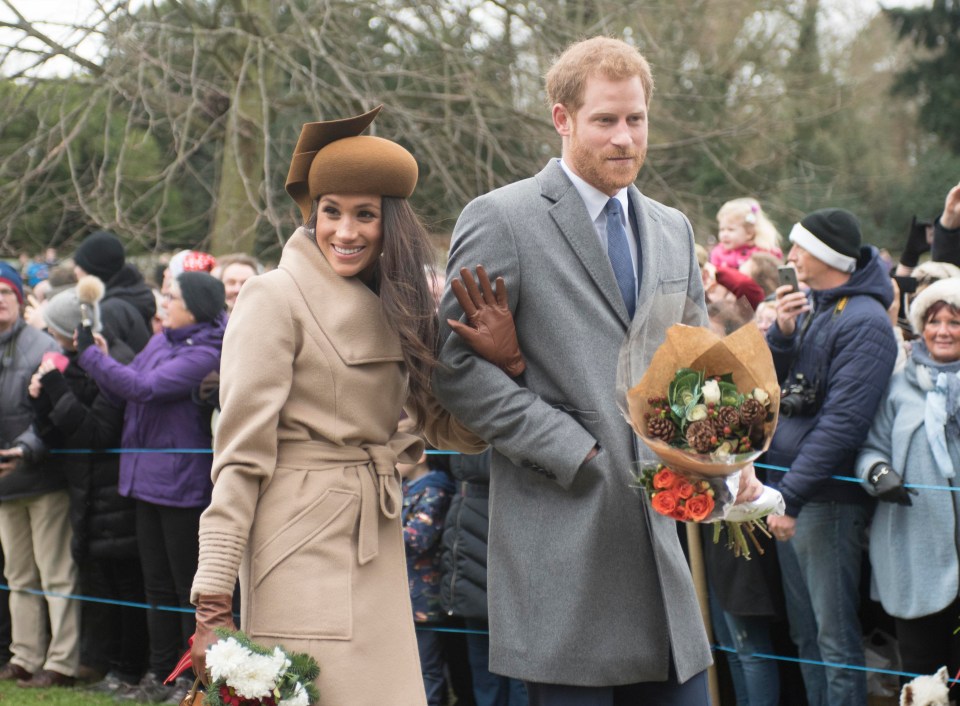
x: 380, y: 489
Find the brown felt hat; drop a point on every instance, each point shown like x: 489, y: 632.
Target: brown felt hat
x: 331, y: 157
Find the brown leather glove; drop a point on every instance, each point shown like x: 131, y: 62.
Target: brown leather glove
x: 491, y: 331
x: 213, y: 611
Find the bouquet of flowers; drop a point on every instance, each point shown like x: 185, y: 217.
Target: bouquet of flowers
x: 243, y: 673
x: 707, y: 406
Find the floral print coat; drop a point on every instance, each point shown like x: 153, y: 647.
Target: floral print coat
x: 425, y: 504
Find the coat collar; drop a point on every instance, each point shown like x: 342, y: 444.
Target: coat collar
x: 347, y: 311
x: 570, y: 215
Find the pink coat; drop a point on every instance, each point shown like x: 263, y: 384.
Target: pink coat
x: 721, y: 257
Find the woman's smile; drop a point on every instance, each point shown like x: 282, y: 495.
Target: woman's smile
x: 349, y: 232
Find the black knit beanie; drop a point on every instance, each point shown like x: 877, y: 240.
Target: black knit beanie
x: 100, y: 254
x: 831, y: 235
x: 203, y: 295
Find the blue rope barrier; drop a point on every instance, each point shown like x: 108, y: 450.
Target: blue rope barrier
x: 848, y: 479
x: 461, y: 631
x: 437, y: 452
x: 797, y: 660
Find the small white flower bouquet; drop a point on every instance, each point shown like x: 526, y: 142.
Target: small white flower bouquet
x: 243, y: 673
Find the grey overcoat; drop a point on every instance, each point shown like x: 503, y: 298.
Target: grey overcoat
x: 586, y: 585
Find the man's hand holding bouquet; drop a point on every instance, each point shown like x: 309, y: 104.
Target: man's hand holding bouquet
x: 707, y: 407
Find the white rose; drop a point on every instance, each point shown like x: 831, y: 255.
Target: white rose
x: 697, y: 413
x: 711, y: 392
x: 761, y: 396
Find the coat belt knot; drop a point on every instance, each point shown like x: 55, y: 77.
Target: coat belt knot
x: 383, y: 480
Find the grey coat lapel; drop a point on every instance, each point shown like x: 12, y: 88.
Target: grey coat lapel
x: 651, y: 249
x: 571, y: 217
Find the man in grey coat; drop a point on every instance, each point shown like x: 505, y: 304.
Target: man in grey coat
x: 590, y: 599
x: 34, y: 520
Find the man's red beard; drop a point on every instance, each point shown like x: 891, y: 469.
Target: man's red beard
x: 598, y: 171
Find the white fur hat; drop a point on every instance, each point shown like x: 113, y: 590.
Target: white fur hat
x: 945, y: 290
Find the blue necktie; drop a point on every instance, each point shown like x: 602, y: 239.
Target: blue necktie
x: 619, y: 252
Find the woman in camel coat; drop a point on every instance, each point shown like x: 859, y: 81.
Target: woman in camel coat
x: 317, y: 370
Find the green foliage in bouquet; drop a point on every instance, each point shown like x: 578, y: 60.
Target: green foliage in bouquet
x: 708, y: 414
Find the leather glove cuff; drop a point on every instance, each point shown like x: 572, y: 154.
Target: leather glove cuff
x: 214, y: 610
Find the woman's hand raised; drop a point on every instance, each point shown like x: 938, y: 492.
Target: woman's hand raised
x: 490, y: 330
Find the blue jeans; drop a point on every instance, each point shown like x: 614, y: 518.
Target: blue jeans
x: 761, y: 675
x: 821, y: 581
x: 756, y: 680
x: 490, y: 689
x: 723, y: 638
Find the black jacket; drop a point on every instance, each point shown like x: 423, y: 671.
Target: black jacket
x: 946, y: 244
x: 71, y: 413
x: 127, y: 309
x: 463, y: 562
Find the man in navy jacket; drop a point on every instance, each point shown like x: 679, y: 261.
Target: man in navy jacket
x: 835, y: 349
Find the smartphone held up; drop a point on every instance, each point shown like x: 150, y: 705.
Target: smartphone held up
x: 788, y: 275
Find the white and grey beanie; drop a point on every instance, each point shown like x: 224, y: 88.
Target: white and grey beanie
x: 832, y: 235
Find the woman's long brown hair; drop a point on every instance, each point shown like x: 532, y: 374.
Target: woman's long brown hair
x: 408, y: 302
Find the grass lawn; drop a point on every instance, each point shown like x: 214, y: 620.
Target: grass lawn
x: 13, y: 695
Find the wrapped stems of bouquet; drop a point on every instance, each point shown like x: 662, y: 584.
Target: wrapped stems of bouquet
x: 710, y: 499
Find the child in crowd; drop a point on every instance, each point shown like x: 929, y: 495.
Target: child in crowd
x: 426, y: 498
x: 744, y: 230
x: 766, y: 314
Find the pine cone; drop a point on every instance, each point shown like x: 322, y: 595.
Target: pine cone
x: 702, y: 436
x: 662, y: 428
x: 752, y: 412
x: 728, y: 416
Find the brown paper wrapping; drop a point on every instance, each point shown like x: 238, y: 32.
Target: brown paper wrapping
x: 744, y: 354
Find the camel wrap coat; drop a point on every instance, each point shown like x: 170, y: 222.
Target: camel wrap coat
x: 306, y: 495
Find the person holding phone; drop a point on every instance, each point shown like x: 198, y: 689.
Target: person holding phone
x: 834, y: 351
x: 72, y: 413
x: 34, y: 526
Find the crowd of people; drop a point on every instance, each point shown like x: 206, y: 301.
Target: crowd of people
x: 320, y: 523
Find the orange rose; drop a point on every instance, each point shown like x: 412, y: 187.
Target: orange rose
x: 699, y: 507
x: 680, y: 512
x: 665, y: 479
x: 664, y: 502
x: 684, y: 489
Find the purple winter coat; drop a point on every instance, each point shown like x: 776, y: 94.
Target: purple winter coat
x: 160, y: 413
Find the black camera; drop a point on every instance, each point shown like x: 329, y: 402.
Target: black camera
x: 799, y: 399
